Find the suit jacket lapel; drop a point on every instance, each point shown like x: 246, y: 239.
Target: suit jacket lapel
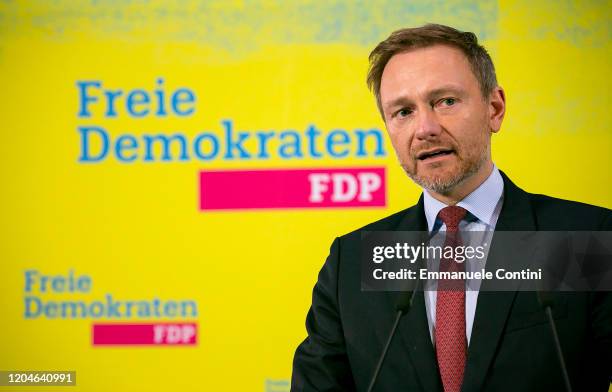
x: 493, y: 308
x: 413, y: 330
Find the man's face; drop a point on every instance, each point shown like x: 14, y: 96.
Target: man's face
x: 438, y: 122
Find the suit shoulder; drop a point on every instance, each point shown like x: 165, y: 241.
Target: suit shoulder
x: 559, y: 214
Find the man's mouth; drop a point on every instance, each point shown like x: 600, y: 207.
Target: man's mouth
x: 424, y: 155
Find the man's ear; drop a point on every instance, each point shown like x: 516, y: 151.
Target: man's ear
x: 497, y: 108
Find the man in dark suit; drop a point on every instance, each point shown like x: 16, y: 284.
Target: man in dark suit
x: 437, y: 93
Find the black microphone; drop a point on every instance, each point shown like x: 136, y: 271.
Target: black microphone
x: 402, y: 306
x: 546, y: 302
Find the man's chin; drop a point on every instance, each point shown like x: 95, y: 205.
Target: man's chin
x: 443, y: 182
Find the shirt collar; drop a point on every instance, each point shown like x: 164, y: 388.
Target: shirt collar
x: 481, y: 203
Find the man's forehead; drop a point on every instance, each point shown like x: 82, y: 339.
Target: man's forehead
x: 425, y: 71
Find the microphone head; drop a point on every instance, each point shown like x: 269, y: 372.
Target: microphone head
x: 404, y: 302
x: 545, y: 298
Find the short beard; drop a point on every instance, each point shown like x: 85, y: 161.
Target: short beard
x: 446, y: 186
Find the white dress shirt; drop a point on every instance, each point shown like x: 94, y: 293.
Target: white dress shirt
x: 484, y: 204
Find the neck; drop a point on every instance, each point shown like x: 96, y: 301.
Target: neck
x: 465, y: 187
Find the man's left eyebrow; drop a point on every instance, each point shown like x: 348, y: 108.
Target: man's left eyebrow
x: 445, y: 90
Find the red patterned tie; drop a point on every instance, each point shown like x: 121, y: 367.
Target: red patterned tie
x: 451, y: 344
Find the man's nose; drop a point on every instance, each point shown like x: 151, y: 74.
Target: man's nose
x: 428, y: 126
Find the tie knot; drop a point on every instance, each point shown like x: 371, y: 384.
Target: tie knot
x: 451, y: 216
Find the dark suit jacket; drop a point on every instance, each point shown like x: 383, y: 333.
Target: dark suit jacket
x: 511, y: 346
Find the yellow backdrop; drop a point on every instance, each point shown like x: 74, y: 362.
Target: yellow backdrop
x: 135, y: 230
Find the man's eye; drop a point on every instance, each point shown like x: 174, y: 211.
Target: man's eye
x: 448, y: 101
x: 404, y: 112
